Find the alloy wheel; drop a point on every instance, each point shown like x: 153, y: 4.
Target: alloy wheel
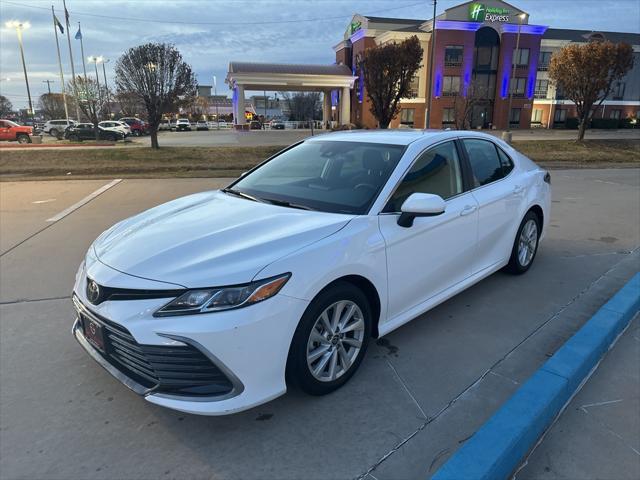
x: 335, y: 340
x: 527, y: 242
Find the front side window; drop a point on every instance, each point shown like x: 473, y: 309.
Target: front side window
x: 329, y: 176
x: 436, y: 171
x: 485, y: 163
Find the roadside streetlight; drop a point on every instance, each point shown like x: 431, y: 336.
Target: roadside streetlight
x: 521, y: 17
x: 20, y: 26
x: 215, y: 100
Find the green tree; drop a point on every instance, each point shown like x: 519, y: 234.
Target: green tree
x: 587, y: 72
x: 158, y: 76
x: 388, y: 71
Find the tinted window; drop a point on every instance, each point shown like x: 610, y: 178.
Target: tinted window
x: 485, y: 163
x: 436, y: 171
x: 341, y: 177
x: 505, y: 161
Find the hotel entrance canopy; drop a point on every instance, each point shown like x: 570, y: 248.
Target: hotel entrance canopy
x: 244, y: 76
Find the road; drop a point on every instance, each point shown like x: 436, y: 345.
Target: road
x: 420, y: 392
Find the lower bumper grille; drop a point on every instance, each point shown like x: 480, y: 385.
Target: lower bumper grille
x: 175, y: 370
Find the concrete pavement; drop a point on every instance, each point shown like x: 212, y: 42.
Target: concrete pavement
x: 420, y: 392
x: 598, y: 435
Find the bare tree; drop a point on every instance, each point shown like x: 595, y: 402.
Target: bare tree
x: 91, y: 98
x: 586, y: 74
x: 464, y: 104
x: 388, y: 71
x: 52, y: 105
x: 129, y: 104
x: 5, y: 106
x: 158, y: 76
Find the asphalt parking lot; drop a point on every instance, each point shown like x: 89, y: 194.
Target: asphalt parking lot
x: 419, y: 394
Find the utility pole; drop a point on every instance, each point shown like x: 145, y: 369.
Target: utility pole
x: 215, y: 99
x: 19, y: 26
x: 433, y: 49
x: 49, y: 82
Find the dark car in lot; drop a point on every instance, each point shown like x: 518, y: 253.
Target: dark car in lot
x: 87, y: 131
x: 277, y: 125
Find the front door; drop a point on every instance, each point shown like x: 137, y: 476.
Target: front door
x: 435, y: 253
x: 5, y: 131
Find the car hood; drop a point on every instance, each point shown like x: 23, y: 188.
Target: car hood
x: 210, y: 239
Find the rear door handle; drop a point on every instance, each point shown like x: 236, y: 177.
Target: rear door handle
x: 468, y: 210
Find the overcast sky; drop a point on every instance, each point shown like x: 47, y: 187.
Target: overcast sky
x: 210, y: 33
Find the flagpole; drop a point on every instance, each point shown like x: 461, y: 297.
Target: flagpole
x: 73, y: 70
x: 84, y: 67
x: 64, y: 95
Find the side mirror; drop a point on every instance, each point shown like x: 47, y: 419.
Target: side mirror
x: 420, y: 205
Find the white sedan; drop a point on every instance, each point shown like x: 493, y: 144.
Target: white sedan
x: 116, y: 126
x: 215, y: 302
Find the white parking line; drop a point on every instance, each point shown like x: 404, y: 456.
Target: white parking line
x: 84, y: 201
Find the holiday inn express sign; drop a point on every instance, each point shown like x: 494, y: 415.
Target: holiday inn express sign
x: 479, y: 12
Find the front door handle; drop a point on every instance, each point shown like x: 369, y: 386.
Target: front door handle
x: 468, y: 210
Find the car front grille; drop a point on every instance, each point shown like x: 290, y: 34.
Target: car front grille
x: 176, y: 370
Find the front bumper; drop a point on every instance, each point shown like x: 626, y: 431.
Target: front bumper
x: 248, y: 345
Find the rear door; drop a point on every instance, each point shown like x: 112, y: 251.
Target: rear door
x: 498, y: 196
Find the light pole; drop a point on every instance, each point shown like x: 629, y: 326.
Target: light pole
x: 48, y: 82
x: 433, y: 49
x: 104, y: 75
x: 96, y: 60
x: 215, y: 99
x: 19, y: 26
x: 513, y: 74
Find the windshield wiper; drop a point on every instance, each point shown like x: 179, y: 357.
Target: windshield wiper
x: 284, y: 203
x: 237, y: 193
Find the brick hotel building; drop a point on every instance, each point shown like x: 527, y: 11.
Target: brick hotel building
x: 474, y: 50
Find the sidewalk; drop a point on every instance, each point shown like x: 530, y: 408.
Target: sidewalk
x: 598, y: 435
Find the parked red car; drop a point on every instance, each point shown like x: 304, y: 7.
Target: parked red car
x: 138, y: 127
x: 11, y: 131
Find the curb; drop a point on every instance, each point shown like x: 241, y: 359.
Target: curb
x: 499, y: 446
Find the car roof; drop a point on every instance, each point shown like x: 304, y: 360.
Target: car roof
x: 397, y: 136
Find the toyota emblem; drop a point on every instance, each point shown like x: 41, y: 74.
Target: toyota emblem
x: 93, y: 292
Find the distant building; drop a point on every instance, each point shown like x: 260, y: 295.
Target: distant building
x: 475, y: 45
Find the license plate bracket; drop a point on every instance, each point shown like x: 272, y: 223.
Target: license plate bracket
x: 93, y: 332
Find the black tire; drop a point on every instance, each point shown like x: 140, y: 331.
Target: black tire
x: 74, y: 138
x: 53, y: 132
x: 515, y: 266
x: 136, y: 133
x: 23, y: 138
x: 298, y: 372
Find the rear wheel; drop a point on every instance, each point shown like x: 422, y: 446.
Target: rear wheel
x: 53, y: 132
x: 24, y: 139
x: 74, y: 138
x: 525, y: 245
x: 331, y: 340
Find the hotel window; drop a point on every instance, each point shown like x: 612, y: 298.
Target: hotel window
x: 406, y: 116
x: 521, y: 57
x: 536, y: 118
x: 450, y: 86
x: 618, y: 91
x: 517, y: 86
x: 413, y: 86
x: 544, y: 60
x: 484, y: 85
x: 514, y: 117
x: 615, y: 114
x: 453, y: 56
x: 448, y: 116
x: 560, y: 116
x: 541, y: 88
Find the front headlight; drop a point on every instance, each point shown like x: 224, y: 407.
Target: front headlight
x: 206, y: 300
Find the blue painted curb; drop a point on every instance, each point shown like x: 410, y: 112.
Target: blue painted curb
x: 499, y: 446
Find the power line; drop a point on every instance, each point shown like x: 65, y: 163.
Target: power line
x: 178, y: 22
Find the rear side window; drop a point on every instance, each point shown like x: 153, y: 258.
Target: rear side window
x: 486, y: 165
x: 505, y: 161
x: 436, y: 171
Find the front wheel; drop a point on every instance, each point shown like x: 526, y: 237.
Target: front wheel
x: 331, y: 340
x: 525, y: 245
x: 53, y: 132
x: 24, y: 139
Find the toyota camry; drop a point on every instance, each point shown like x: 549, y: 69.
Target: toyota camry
x: 217, y: 302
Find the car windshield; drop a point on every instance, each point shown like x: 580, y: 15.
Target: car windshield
x: 329, y: 176
x: 10, y: 123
